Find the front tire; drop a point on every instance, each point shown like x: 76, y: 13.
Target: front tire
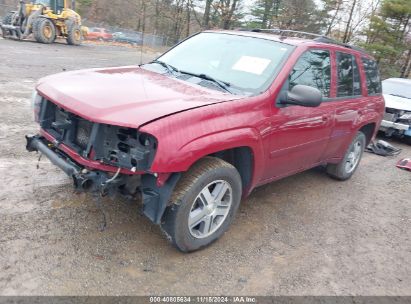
x: 349, y: 164
x: 204, y: 204
x: 44, y: 30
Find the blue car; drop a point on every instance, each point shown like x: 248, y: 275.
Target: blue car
x: 134, y: 39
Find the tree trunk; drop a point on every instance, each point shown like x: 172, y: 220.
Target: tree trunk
x: 157, y: 17
x: 206, y: 17
x: 337, y: 10
x: 268, y: 6
x: 228, y: 18
x: 347, y: 33
x: 188, y: 18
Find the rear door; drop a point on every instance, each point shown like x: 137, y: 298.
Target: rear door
x: 350, y: 103
x: 299, y: 135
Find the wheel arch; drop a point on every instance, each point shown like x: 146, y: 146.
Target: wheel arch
x: 242, y: 148
x: 242, y: 158
x: 369, y: 131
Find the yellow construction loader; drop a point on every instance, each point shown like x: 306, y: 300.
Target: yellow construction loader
x: 46, y: 20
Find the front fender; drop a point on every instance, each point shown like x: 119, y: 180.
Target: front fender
x: 182, y: 158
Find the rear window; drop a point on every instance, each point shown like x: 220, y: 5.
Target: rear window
x: 349, y: 83
x: 373, y: 76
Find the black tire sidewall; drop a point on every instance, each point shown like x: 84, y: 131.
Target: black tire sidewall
x: 178, y: 213
x: 72, y: 28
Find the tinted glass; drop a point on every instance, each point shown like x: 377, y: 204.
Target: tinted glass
x: 248, y: 64
x: 348, y: 76
x: 313, y: 69
x: 373, y: 76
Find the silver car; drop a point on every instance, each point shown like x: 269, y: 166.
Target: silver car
x: 397, y: 118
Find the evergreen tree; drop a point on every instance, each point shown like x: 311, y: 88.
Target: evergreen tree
x: 386, y: 36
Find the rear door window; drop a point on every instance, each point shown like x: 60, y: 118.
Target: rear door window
x: 313, y: 69
x: 373, y: 76
x: 349, y: 83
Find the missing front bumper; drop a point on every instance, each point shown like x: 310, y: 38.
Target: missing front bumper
x: 155, y: 197
x: 83, y: 180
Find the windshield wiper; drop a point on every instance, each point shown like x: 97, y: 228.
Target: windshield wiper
x: 222, y: 84
x: 169, y: 67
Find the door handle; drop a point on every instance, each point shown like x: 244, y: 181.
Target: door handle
x: 325, y: 117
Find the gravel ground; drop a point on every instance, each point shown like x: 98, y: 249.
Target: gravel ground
x: 304, y: 235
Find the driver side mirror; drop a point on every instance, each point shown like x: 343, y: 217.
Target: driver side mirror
x: 302, y: 95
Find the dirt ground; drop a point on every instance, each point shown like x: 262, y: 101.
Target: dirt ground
x: 304, y: 235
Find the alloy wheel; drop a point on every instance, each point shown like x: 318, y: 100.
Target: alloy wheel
x: 210, y: 209
x: 354, y: 156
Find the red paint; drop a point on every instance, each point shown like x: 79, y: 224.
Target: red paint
x: 99, y: 34
x: 196, y: 122
x: 405, y: 164
x: 126, y: 96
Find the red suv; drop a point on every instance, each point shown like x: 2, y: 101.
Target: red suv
x: 100, y: 34
x: 218, y: 115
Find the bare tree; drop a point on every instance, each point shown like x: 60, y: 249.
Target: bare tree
x: 337, y: 10
x: 226, y: 10
x: 207, y: 12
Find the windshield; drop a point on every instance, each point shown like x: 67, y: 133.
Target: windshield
x: 44, y: 2
x: 395, y: 88
x: 247, y: 65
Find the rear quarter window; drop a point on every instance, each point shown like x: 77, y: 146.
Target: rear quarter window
x: 372, y: 74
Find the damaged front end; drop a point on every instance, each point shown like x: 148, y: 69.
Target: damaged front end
x: 396, y: 123
x: 101, y: 158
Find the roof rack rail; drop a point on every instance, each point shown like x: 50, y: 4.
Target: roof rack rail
x: 316, y: 37
x: 284, y: 33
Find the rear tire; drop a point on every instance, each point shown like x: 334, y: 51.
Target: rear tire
x: 204, y: 204
x: 44, y: 30
x: 349, y: 164
x: 74, y: 35
x: 7, y: 21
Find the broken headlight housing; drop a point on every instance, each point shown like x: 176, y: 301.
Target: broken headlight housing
x: 109, y: 144
x: 125, y: 147
x: 36, y: 100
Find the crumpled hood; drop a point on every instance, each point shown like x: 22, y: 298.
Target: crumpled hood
x: 399, y: 103
x: 125, y: 96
